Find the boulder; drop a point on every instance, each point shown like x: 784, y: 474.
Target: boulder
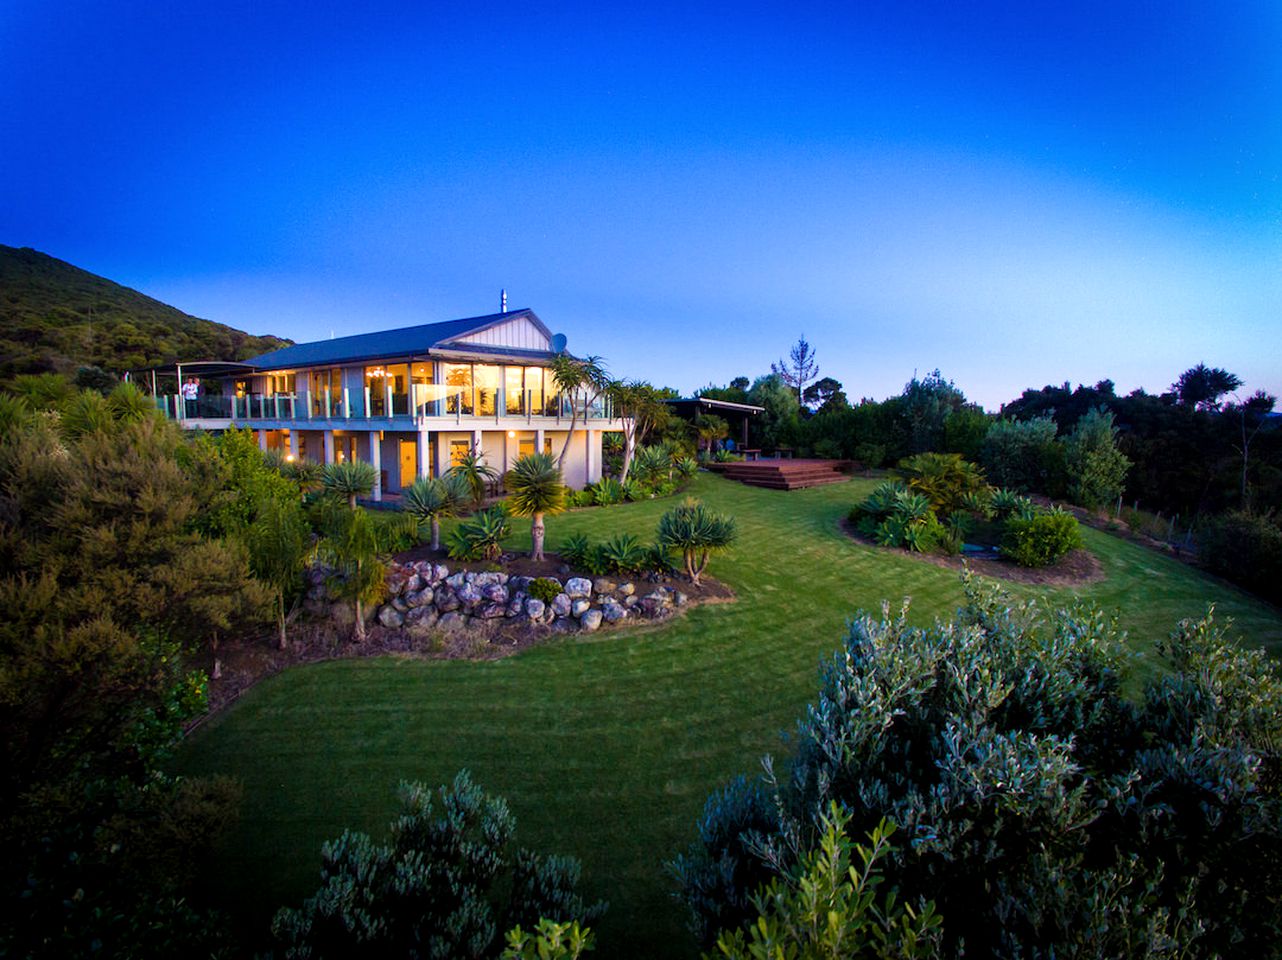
x: 400, y: 603
x: 469, y: 595
x: 457, y: 580
x: 490, y: 578
x: 604, y: 585
x: 627, y: 589
x: 590, y: 620
x: 654, y: 609
x: 413, y: 582
x: 421, y: 616
x: 439, y: 573
x: 659, y: 596
x: 564, y: 625
x: 613, y: 612
x: 534, y: 608
x: 561, y: 605
x: 422, y: 598
x: 631, y: 600
x: 491, y: 611
x: 446, y: 599
x: 494, y: 592
x: 390, y: 617
x: 579, y: 607
x: 518, y: 584
x: 577, y: 587
x: 680, y: 599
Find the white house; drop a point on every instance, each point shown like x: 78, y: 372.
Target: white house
x: 409, y: 401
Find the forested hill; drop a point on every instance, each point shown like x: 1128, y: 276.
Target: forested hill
x: 54, y: 316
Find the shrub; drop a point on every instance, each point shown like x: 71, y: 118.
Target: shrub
x: 1006, y: 503
x: 1040, y: 540
x: 830, y: 906
x: 481, y: 536
x: 575, y: 550
x: 1023, y: 454
x: 1096, y: 468
x: 607, y: 491
x: 1245, y: 548
x: 945, y: 478
x: 696, y: 533
x: 544, y: 588
x: 1047, y: 812
x: 550, y: 941
x: 443, y: 885
x: 622, y: 553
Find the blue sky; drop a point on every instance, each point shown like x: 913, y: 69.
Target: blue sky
x: 1017, y: 194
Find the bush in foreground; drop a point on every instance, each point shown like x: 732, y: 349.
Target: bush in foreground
x: 446, y: 884
x: 1045, y: 812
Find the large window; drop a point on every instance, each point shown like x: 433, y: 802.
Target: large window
x: 321, y: 381
x: 280, y: 383
x: 378, y: 379
x: 487, y: 378
x: 514, y: 387
x: 458, y: 378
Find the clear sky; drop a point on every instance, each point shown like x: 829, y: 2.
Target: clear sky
x: 1018, y: 194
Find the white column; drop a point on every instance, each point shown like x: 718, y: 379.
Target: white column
x: 538, y: 440
x: 329, y: 446
x: 262, y: 440
x: 424, y: 450
x: 376, y: 460
x: 293, y: 444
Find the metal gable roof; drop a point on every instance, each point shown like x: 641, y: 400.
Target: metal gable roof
x: 382, y: 344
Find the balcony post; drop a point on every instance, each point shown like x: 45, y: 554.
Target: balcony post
x: 347, y: 404
x: 329, y: 412
x: 293, y: 408
x: 376, y: 461
x: 387, y: 399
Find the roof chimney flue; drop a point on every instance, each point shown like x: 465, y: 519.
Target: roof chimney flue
x: 503, y: 301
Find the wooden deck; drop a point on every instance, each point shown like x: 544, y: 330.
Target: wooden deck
x: 784, y: 474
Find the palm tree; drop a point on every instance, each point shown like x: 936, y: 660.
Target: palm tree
x: 352, y: 546
x: 536, y: 488
x: 279, y: 541
x: 350, y: 479
x: 579, y: 380
x: 639, y: 406
x: 472, y: 470
x: 430, y: 498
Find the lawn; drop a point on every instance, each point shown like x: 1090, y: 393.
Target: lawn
x: 607, y: 746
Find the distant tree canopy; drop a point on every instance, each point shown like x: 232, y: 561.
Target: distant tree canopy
x: 1202, y: 386
x: 55, y: 317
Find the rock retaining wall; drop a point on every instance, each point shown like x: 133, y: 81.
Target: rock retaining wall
x: 425, y: 598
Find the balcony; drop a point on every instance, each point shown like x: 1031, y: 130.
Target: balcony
x: 431, y: 405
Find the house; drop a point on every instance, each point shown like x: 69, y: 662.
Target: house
x: 410, y: 401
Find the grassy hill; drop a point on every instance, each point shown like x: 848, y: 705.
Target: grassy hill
x: 55, y: 316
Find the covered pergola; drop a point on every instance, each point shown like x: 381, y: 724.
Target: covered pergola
x: 690, y: 408
x: 192, y: 368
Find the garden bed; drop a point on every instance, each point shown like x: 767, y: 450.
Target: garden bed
x: 1077, y: 567
x: 317, y: 638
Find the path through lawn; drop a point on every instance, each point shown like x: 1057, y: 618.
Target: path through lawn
x: 607, y: 747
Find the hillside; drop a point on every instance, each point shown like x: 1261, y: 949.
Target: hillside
x: 55, y: 316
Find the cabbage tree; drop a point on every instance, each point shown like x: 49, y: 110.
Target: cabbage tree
x: 535, y: 487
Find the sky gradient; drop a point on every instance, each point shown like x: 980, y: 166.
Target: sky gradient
x: 1017, y: 196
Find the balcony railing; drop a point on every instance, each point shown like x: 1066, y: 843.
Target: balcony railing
x: 426, y: 401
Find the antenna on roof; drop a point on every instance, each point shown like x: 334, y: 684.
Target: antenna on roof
x: 503, y: 301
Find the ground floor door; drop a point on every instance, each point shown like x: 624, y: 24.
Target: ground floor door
x: 409, y: 462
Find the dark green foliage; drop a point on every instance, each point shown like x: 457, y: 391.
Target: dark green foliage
x: 1042, y: 539
x: 549, y: 941
x: 1022, y: 455
x: 481, y: 536
x: 56, y: 317
x: 831, y: 906
x: 1044, y: 812
x: 576, y: 550
x: 1245, y: 548
x: 447, y: 883
x: 1008, y: 503
x: 544, y: 589
x: 622, y: 553
x: 350, y: 479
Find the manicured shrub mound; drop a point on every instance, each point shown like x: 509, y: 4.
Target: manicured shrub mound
x: 1042, y: 539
